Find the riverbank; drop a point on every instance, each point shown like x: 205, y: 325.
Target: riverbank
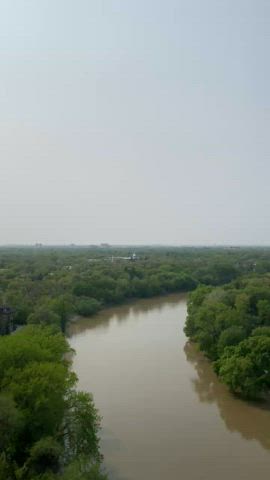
x: 131, y: 302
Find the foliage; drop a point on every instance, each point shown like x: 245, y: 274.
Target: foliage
x: 230, y: 336
x: 232, y: 326
x: 261, y: 331
x: 81, y: 425
x: 44, y: 316
x: 87, y: 306
x: 246, y: 367
x: 49, y: 430
x: 47, y: 285
x: 45, y: 423
x: 44, y: 456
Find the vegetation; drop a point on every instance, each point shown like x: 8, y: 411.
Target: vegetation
x: 49, y: 430
x: 47, y: 427
x: 48, y: 285
x: 231, y: 324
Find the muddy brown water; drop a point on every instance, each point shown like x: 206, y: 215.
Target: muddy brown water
x: 165, y: 414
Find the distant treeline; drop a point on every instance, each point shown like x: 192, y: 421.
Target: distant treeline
x: 46, y: 286
x: 231, y: 324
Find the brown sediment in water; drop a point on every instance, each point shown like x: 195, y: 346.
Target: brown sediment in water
x: 165, y: 413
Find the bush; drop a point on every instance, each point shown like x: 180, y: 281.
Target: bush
x: 231, y: 336
x: 87, y: 306
x: 246, y: 367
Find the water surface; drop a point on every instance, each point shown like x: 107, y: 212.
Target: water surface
x: 165, y: 414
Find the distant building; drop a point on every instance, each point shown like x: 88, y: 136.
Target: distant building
x: 133, y: 257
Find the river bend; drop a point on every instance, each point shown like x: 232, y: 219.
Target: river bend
x: 165, y: 414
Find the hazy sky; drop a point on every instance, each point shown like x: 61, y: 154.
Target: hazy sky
x: 135, y: 121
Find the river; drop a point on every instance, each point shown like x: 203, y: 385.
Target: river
x: 165, y: 414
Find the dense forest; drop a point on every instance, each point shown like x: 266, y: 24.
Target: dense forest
x: 48, y: 285
x: 231, y: 325
x: 47, y: 426
x: 49, y: 430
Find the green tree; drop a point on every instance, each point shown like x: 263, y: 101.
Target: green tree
x: 11, y: 422
x: 87, y: 306
x: 44, y: 456
x: 261, y: 331
x: 44, y: 316
x: 263, y: 308
x: 81, y: 425
x: 245, y: 368
x: 45, y: 423
x: 230, y: 336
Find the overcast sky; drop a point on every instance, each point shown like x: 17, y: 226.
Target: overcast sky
x: 135, y: 121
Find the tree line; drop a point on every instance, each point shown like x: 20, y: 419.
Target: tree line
x: 48, y: 285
